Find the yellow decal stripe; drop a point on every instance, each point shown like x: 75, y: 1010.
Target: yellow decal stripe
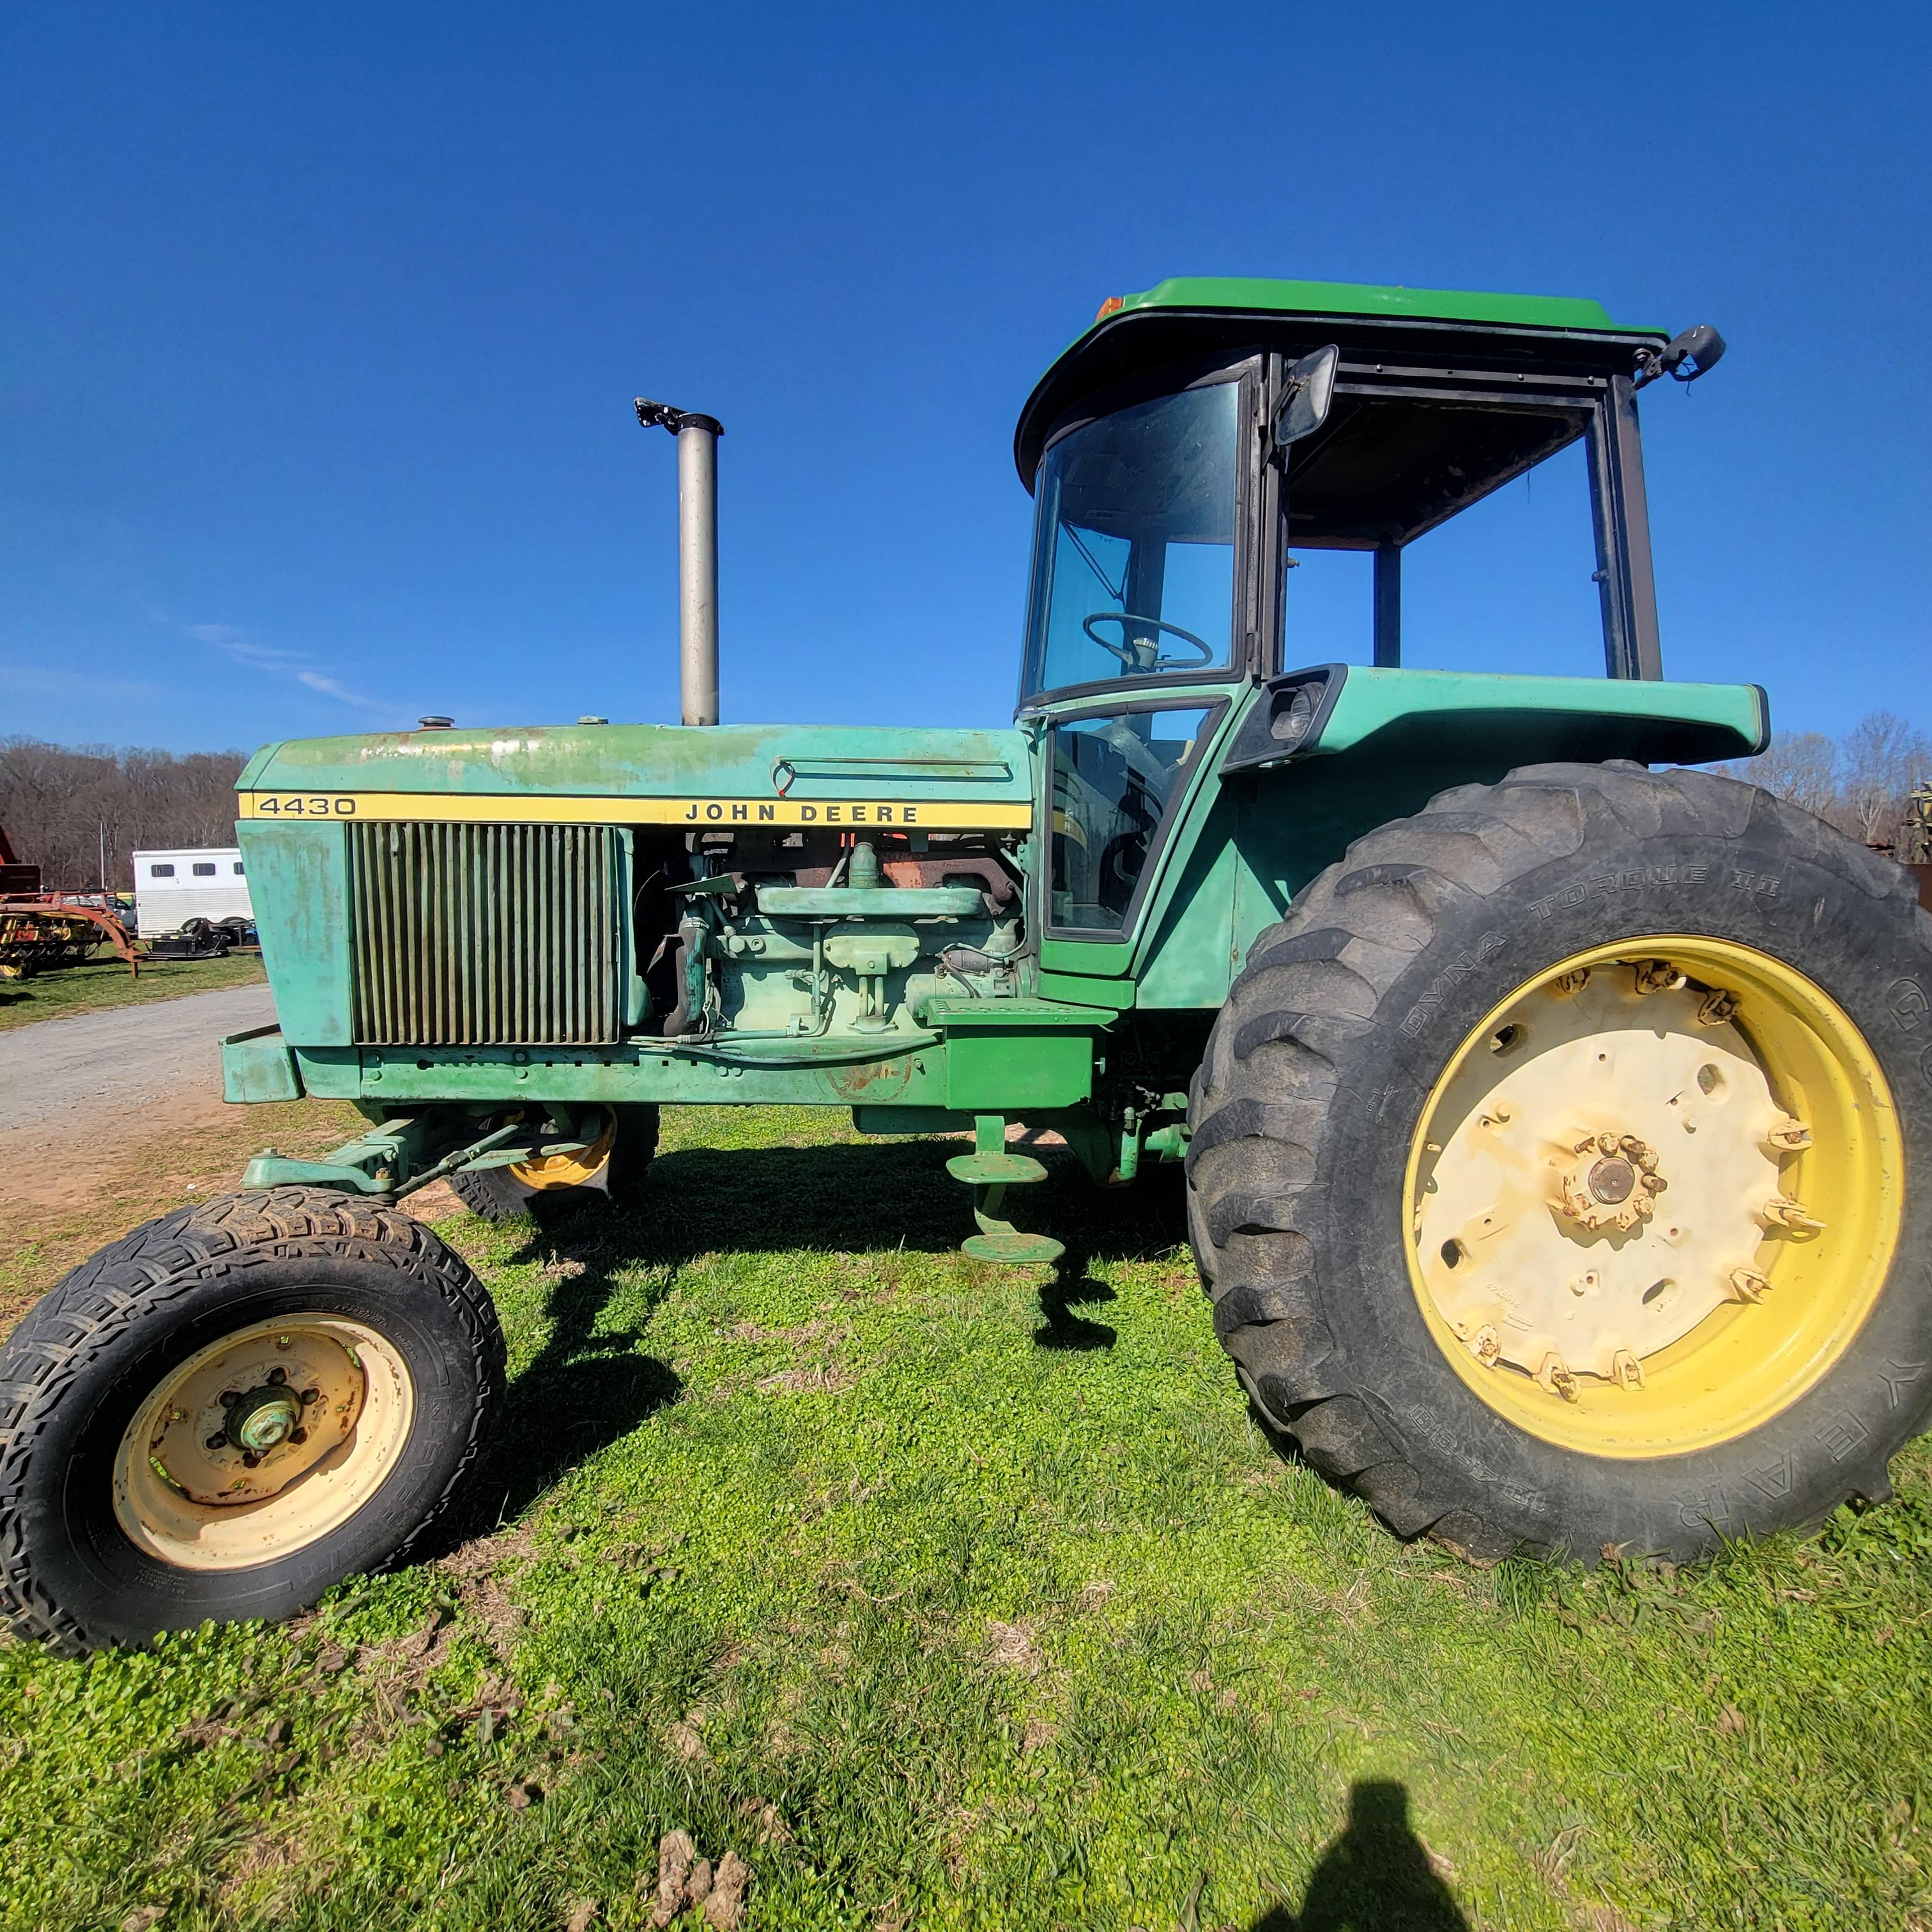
x: 945, y: 814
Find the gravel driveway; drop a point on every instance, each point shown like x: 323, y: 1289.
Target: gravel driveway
x: 147, y: 1057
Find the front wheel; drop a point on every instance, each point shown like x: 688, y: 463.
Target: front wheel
x: 1562, y: 1165
x: 236, y: 1406
x: 612, y: 1168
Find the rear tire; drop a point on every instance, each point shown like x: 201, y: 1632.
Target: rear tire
x: 118, y: 1484
x: 1324, y: 1140
x: 501, y: 1193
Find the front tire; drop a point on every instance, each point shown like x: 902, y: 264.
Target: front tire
x: 1429, y: 1131
x: 231, y: 1409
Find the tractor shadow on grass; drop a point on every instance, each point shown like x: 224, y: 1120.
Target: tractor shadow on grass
x: 585, y: 1389
x: 1376, y: 1875
x: 852, y: 1199
x: 877, y: 1196
x: 1073, y: 1286
x: 589, y: 1387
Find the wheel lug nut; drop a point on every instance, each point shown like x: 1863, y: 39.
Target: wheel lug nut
x: 309, y: 1395
x: 278, y: 1376
x: 229, y: 1397
x: 1555, y: 1375
x: 1788, y: 1135
x: 1781, y: 1211
x: 217, y: 1441
x: 298, y: 1435
x: 1627, y: 1369
x: 1748, y: 1284
x: 1715, y: 1008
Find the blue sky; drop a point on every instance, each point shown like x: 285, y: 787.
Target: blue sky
x: 323, y: 325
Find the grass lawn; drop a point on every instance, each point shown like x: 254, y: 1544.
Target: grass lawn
x: 944, y: 1599
x: 96, y: 984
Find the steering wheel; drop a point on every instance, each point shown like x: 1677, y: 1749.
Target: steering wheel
x: 1125, y: 651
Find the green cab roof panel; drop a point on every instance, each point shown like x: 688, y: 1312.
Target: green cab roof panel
x: 1197, y: 318
x: 1260, y: 295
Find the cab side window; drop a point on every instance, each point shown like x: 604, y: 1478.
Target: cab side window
x: 1114, y: 781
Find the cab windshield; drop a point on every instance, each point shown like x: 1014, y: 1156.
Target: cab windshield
x: 1134, y: 549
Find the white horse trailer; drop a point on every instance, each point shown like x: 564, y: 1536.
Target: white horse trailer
x: 189, y: 882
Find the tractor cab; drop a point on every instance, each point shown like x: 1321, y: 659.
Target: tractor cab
x: 1205, y: 440
x: 1200, y: 434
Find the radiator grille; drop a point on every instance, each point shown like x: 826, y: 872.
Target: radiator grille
x: 475, y: 935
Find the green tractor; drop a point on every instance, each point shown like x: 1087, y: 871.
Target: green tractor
x: 1557, y: 1120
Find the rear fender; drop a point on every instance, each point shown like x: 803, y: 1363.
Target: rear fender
x: 1379, y: 745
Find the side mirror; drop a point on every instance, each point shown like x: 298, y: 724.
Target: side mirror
x: 1309, y: 390
x: 1694, y: 353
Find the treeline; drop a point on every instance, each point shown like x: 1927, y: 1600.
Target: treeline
x: 60, y: 803
x: 1862, y: 783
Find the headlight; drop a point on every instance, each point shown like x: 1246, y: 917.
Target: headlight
x: 1290, y: 723
x: 1287, y: 720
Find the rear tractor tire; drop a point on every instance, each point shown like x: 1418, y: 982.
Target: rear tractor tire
x: 232, y: 1408
x: 614, y: 1167
x: 1560, y: 1168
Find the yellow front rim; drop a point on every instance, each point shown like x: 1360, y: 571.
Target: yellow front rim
x: 1653, y: 1196
x: 263, y: 1442
x: 568, y: 1170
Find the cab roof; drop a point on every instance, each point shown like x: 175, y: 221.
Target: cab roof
x: 1189, y: 315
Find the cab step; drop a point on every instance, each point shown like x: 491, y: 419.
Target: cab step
x: 989, y: 1170
x: 995, y: 1170
x: 1013, y: 1249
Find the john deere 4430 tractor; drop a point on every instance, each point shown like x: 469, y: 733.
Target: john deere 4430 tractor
x: 1557, y: 1119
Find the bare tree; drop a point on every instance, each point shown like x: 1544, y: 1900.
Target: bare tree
x: 61, y: 804
x: 1803, y: 767
x: 1884, y: 758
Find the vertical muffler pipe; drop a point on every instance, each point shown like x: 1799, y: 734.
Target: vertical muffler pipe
x: 696, y: 553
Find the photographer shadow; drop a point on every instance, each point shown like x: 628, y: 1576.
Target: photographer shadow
x: 1376, y: 1876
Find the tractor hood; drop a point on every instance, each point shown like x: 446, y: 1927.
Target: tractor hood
x: 824, y: 775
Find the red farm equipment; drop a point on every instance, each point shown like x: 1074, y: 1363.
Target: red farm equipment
x: 40, y: 928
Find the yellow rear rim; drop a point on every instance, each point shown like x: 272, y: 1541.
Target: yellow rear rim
x: 263, y: 1442
x: 568, y: 1170
x: 1654, y: 1196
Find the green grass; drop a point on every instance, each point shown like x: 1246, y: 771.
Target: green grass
x: 947, y: 1601
x: 97, y: 984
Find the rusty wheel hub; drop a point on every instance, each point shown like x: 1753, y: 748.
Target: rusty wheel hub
x: 1613, y: 1183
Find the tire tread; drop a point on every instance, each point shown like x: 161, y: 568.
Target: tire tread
x: 1261, y: 1102
x: 45, y: 1358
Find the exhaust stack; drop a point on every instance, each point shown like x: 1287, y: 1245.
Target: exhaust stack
x: 696, y: 553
